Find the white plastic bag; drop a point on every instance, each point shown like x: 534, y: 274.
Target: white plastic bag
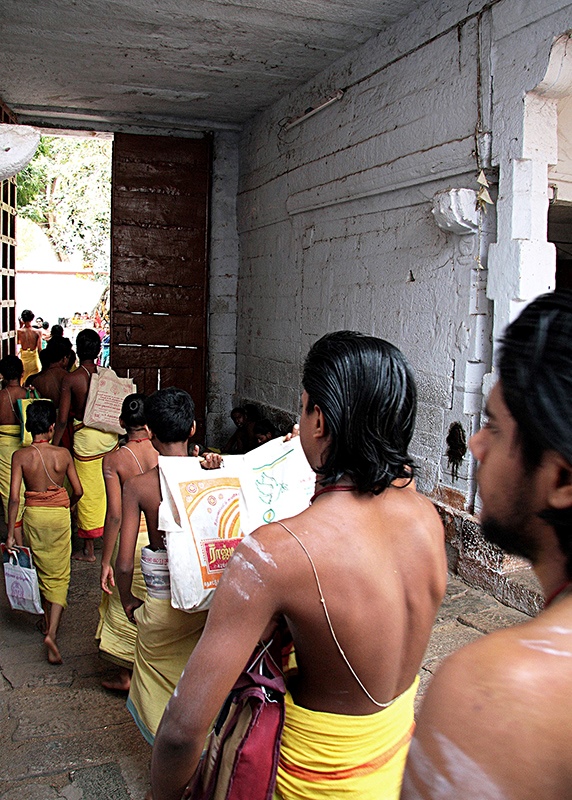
x: 22, y: 586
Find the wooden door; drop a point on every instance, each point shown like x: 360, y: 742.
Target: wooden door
x: 159, y: 213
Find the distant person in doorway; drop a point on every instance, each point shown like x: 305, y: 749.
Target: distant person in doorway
x: 30, y: 342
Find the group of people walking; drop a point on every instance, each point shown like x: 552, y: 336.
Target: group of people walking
x: 356, y: 578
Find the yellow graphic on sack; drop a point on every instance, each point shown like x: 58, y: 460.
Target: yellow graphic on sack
x: 213, y: 511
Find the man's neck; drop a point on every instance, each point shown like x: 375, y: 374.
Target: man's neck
x: 171, y: 448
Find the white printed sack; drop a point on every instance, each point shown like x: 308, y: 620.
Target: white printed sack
x: 206, y: 513
x: 106, y: 394
x: 22, y: 586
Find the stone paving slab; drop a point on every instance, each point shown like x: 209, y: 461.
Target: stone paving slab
x: 63, y: 737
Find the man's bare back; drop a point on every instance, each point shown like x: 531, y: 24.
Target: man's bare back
x: 56, y: 461
x: 73, y: 397
x: 49, y: 382
x: 9, y: 396
x: 29, y: 338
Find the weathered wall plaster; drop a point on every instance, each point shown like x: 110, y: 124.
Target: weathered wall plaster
x: 223, y: 280
x: 335, y: 216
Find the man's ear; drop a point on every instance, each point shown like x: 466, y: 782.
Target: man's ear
x: 560, y: 491
x: 320, y: 427
x: 193, y: 429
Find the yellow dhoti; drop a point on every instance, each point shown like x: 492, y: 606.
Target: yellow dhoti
x: 47, y: 530
x: 116, y: 635
x: 31, y: 361
x: 9, y: 443
x: 326, y: 755
x: 89, y: 448
x: 166, y: 637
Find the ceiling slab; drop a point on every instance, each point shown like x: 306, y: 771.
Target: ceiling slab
x: 173, y: 63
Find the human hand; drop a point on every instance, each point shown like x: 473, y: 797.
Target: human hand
x: 293, y: 433
x: 107, y: 579
x: 11, y: 545
x: 130, y: 606
x: 211, y: 461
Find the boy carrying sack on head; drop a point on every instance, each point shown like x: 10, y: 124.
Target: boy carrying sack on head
x: 47, y: 522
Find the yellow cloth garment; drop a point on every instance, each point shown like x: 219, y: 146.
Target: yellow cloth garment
x: 166, y: 637
x: 116, y: 635
x: 89, y: 448
x: 48, y: 532
x: 327, y: 755
x: 31, y: 361
x: 9, y: 443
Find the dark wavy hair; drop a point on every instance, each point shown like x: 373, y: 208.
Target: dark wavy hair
x: 170, y: 414
x: 366, y: 391
x: 11, y: 367
x: 535, y: 368
x: 133, y: 411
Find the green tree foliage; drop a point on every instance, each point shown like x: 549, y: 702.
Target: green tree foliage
x: 66, y: 188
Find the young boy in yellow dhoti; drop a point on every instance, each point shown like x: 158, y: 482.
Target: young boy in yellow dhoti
x: 11, y: 369
x: 47, y: 524
x: 115, y: 633
x: 89, y: 445
x: 166, y: 636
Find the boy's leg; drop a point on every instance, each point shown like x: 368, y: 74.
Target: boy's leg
x: 54, y: 655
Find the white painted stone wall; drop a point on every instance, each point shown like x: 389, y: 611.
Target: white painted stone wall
x: 335, y: 220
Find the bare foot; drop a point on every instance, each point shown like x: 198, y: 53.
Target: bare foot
x: 118, y: 684
x: 82, y: 555
x: 54, y: 655
x: 41, y: 626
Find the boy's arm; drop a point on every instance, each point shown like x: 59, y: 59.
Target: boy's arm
x: 73, y: 478
x: 14, y: 534
x: 63, y: 410
x: 130, y: 518
x: 112, y: 521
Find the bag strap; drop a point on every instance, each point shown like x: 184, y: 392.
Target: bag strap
x: 334, y: 637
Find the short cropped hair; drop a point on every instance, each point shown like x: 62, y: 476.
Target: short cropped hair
x: 170, y: 414
x: 56, y: 331
x: 366, y: 391
x: 27, y: 315
x: 88, y: 344
x: 264, y: 426
x: 40, y: 415
x: 11, y: 367
x: 133, y: 411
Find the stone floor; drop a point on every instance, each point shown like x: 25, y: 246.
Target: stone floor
x: 63, y: 736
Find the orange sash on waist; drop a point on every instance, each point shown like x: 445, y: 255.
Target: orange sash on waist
x: 53, y: 497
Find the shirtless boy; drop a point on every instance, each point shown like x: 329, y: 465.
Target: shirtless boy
x: 496, y: 723
x: 11, y: 369
x: 49, y: 381
x: 378, y: 549
x: 115, y: 633
x: 30, y: 342
x: 47, y: 523
x: 89, y: 445
x: 165, y: 636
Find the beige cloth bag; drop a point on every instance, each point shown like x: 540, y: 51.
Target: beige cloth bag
x: 107, y: 391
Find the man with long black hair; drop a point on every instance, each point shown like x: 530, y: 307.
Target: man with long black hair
x: 496, y: 721
x: 377, y: 547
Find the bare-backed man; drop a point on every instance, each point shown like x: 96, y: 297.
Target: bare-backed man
x: 89, y: 445
x: 30, y: 342
x: 377, y: 547
x: 496, y: 723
